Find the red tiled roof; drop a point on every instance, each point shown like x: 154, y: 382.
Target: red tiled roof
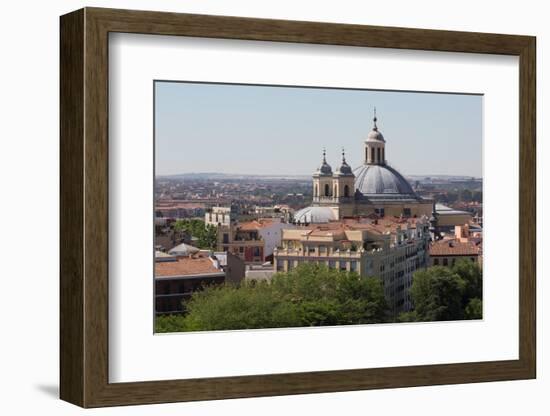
x: 454, y: 248
x: 379, y: 226
x: 255, y: 224
x: 185, y: 266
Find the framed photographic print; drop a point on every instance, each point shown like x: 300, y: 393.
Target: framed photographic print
x: 255, y: 207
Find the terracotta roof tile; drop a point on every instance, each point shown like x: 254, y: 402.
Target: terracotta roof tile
x: 185, y: 266
x: 255, y: 224
x: 454, y: 248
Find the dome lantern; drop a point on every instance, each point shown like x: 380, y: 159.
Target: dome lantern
x: 375, y: 145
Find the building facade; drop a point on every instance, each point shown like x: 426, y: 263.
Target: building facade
x: 390, y: 249
x: 252, y: 241
x: 465, y: 243
x: 178, y: 277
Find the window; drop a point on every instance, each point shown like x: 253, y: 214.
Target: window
x: 327, y: 190
x: 378, y: 154
x: 331, y: 264
x: 346, y: 191
x: 353, y: 266
x: 406, y: 212
x: 226, y: 238
x: 343, y: 266
x: 436, y: 262
x: 372, y: 154
x: 445, y: 262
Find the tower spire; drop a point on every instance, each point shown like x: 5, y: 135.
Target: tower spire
x: 324, y: 155
x: 343, y: 155
x: 375, y: 120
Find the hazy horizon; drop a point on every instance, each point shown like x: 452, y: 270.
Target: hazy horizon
x: 204, y: 128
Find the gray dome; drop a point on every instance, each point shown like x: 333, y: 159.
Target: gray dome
x: 324, y: 169
x: 381, y: 179
x: 315, y: 215
x: 344, y: 169
x: 183, y: 250
x: 375, y: 136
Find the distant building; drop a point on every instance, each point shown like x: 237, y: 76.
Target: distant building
x: 466, y: 243
x: 269, y: 230
x: 177, y: 277
x: 252, y: 241
x: 448, y: 218
x: 178, y: 209
x: 390, y: 248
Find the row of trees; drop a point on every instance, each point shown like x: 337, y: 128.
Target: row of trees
x: 309, y: 295
x: 313, y: 295
x: 206, y: 234
x: 444, y: 294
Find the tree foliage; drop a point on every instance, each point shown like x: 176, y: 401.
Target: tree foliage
x: 309, y: 295
x: 206, y: 234
x: 442, y: 293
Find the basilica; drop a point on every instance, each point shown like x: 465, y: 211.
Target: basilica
x: 372, y: 188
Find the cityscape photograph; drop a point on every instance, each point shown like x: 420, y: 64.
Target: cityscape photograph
x: 286, y: 206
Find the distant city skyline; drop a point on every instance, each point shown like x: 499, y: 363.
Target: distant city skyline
x: 272, y: 130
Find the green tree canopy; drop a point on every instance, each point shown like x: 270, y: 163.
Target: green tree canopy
x: 470, y: 272
x: 206, y: 234
x: 309, y: 295
x: 437, y: 294
x: 442, y: 293
x: 474, y: 309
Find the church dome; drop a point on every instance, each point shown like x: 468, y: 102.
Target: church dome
x: 314, y: 215
x: 382, y: 180
x: 375, y: 136
x: 324, y: 169
x: 344, y: 169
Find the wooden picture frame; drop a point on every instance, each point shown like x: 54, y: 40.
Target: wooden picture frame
x: 84, y: 207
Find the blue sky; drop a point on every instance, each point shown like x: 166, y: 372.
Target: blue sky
x: 269, y: 130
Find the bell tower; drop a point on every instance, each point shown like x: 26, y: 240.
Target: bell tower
x: 375, y: 152
x: 322, y: 182
x: 344, y: 188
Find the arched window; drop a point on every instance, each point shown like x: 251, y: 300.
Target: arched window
x: 372, y: 154
x: 378, y: 154
x: 383, y: 157
x: 346, y: 191
x: 327, y: 190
